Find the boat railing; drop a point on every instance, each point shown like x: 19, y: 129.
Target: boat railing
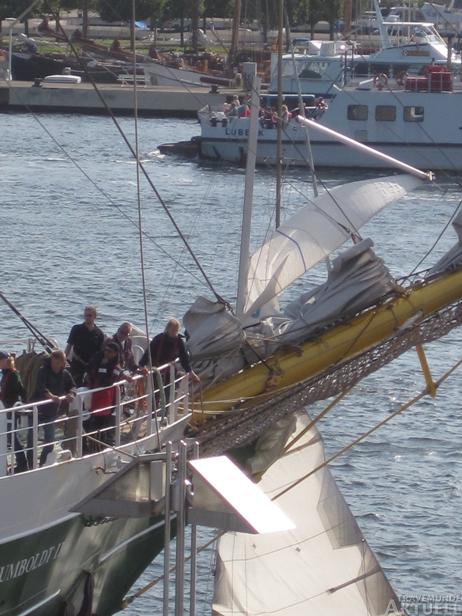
x: 138, y: 407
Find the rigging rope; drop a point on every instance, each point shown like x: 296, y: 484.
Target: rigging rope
x: 403, y: 407
x: 104, y: 193
x: 44, y: 341
x: 234, y: 429
x: 440, y: 235
x: 377, y: 426
x: 140, y: 218
x: 128, y: 600
x: 140, y: 164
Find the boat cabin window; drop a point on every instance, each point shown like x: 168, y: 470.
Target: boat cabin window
x: 313, y: 70
x: 413, y: 114
x: 291, y: 100
x: 385, y: 113
x: 357, y: 112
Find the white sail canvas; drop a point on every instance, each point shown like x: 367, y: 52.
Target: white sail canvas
x: 315, y: 231
x: 323, y: 567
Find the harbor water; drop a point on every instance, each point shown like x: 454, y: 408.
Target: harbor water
x: 69, y: 237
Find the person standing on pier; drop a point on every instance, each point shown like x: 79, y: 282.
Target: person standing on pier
x: 85, y: 340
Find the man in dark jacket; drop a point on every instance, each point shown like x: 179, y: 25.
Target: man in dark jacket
x: 54, y: 383
x: 167, y: 347
x: 85, y: 340
x: 125, y: 346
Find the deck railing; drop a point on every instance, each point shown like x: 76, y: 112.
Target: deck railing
x: 136, y: 407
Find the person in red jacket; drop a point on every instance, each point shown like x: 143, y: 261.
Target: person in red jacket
x: 103, y: 371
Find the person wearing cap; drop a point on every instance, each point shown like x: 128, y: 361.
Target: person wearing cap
x: 55, y: 384
x: 12, y: 391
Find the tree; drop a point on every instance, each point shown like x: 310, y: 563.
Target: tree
x: 55, y: 7
x: 14, y: 8
x: 82, y: 5
x: 195, y: 16
x: 331, y: 14
x: 315, y: 13
x: 121, y: 10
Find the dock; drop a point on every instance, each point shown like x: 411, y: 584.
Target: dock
x: 177, y: 101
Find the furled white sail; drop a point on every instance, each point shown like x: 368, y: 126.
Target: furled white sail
x: 315, y: 231
x: 324, y: 567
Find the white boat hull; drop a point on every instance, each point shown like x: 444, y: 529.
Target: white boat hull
x: 51, y: 558
x: 432, y: 142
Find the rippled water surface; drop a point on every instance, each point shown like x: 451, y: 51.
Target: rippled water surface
x: 68, y: 241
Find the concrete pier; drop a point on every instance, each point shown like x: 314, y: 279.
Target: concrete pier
x: 82, y: 98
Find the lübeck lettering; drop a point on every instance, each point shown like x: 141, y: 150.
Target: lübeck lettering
x: 240, y: 132
x: 12, y: 571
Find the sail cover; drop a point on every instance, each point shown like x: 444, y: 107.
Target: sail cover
x: 323, y: 567
x: 315, y: 231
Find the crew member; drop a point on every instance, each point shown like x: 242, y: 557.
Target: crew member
x: 85, y: 340
x: 54, y: 383
x: 124, y: 343
x: 11, y: 391
x: 103, y: 371
x: 166, y: 348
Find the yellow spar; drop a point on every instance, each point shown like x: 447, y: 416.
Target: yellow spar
x: 288, y: 367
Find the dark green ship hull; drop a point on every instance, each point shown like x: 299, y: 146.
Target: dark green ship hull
x: 76, y: 566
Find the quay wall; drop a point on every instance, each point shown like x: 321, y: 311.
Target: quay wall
x: 173, y: 101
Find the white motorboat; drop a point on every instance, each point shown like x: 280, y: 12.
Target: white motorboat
x: 418, y: 122
x: 406, y: 48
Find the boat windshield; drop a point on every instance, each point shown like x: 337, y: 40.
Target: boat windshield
x: 308, y: 67
x: 414, y: 32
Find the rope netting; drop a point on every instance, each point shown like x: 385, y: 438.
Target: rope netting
x: 240, y: 427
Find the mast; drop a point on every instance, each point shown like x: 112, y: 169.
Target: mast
x: 362, y: 147
x: 347, y: 12
x: 244, y: 255
x: 301, y: 106
x: 85, y: 19
x: 195, y: 15
x: 235, y: 32
x: 279, y: 152
x: 384, y: 38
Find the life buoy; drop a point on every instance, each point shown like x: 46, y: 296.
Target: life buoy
x: 380, y: 81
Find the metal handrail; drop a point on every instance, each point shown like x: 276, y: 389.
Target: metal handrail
x: 77, y: 415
